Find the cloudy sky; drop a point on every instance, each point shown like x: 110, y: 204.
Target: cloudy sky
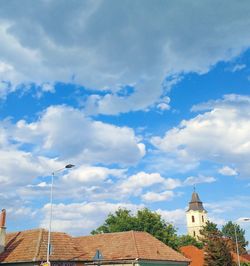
x: 148, y: 99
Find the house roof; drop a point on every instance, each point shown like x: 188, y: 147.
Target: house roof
x: 196, y: 204
x: 242, y: 258
x: 197, y: 255
x: 246, y: 256
x: 128, y: 246
x: 194, y: 254
x: 31, y: 245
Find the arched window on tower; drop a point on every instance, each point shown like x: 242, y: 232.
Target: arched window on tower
x: 202, y: 218
x: 193, y: 220
x: 194, y: 233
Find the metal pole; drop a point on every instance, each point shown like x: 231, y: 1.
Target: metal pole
x: 68, y: 166
x: 237, y: 246
x: 50, y: 217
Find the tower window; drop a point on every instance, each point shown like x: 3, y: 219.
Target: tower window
x: 202, y: 218
x: 194, y: 233
x: 193, y: 220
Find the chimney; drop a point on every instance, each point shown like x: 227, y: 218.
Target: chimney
x: 2, y: 230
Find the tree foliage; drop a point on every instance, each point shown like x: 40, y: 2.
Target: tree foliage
x: 121, y: 221
x: 216, y: 249
x: 228, y: 230
x: 143, y: 220
x: 187, y: 240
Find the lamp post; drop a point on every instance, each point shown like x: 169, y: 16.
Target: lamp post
x: 236, y: 238
x: 68, y: 166
x: 237, y: 246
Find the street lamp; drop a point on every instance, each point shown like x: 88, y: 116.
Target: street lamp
x: 236, y: 238
x: 68, y: 166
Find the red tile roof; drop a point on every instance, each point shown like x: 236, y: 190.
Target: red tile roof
x: 246, y: 256
x: 197, y: 255
x: 242, y: 258
x: 31, y: 245
x: 194, y: 254
x: 128, y: 246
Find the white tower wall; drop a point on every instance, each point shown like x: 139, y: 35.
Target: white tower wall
x: 195, y: 221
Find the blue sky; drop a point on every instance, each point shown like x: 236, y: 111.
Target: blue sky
x: 146, y: 98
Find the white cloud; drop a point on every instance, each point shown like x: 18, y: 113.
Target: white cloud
x: 19, y: 168
x: 228, y: 101
x: 31, y: 151
x: 228, y: 206
x: 223, y: 211
x: 238, y: 67
x: 226, y: 170
x: 178, y: 216
x: 163, y: 104
x: 154, y: 197
x: 172, y: 183
x: 81, y: 218
x: 84, y: 182
x: 135, y: 183
x: 91, y: 175
x: 193, y: 180
x: 200, y: 138
x: 47, y: 87
x: 70, y: 135
x: 104, y: 44
x: 217, y: 220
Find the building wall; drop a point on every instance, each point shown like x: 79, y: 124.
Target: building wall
x: 195, y: 221
x: 39, y: 264
x: 163, y: 263
x: 149, y: 263
x: 160, y: 263
x: 21, y: 264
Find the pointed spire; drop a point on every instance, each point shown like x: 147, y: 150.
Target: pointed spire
x: 196, y: 204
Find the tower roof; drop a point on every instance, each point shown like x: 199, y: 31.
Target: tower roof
x: 196, y: 204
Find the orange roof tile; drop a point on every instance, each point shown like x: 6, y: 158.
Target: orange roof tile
x: 31, y: 245
x: 242, y: 258
x: 128, y: 246
x: 246, y: 256
x: 194, y: 254
x: 197, y: 255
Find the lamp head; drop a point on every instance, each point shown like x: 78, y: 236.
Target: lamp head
x: 69, y: 166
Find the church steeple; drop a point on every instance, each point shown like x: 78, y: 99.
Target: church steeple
x: 196, y: 215
x: 196, y: 204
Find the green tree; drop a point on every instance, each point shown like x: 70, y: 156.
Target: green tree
x: 228, y: 230
x: 143, y: 220
x: 216, y: 250
x: 186, y: 240
x: 121, y: 221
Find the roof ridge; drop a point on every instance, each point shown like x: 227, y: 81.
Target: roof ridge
x: 38, y: 246
x: 111, y: 233
x: 133, y: 235
x: 27, y: 230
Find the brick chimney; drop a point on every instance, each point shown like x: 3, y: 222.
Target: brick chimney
x: 2, y: 230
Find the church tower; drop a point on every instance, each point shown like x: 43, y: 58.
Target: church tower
x: 196, y: 216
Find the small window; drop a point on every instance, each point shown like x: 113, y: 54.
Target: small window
x: 193, y: 220
x: 194, y: 233
x: 202, y: 218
